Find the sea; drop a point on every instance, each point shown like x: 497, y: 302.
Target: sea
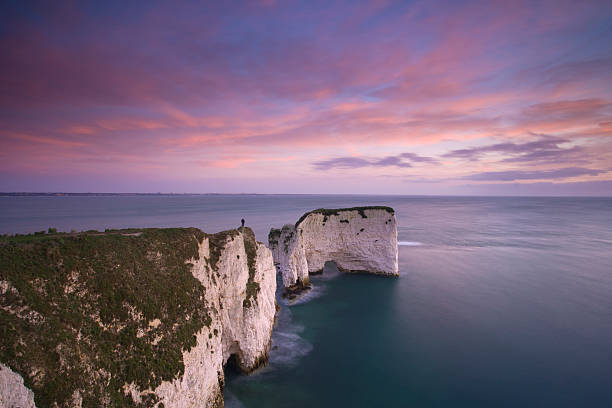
x: 500, y: 302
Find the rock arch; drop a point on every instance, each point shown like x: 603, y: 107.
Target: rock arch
x: 358, y: 240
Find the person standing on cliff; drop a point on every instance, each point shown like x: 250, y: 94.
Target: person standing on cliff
x: 242, y: 221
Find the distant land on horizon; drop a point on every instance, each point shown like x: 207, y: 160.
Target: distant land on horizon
x: 60, y: 194
x: 90, y: 194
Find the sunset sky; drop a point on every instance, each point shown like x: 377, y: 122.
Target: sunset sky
x: 379, y: 97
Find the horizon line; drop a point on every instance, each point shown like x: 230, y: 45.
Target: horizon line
x: 60, y: 194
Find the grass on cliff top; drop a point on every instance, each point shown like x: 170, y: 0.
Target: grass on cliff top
x: 252, y: 287
x: 76, y: 311
x: 336, y: 211
x: 217, y: 243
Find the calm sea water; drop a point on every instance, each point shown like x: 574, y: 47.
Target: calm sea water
x: 501, y: 302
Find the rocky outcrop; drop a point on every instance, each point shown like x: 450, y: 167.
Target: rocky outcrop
x: 132, y: 317
x: 240, y: 291
x: 289, y: 256
x: 12, y: 391
x: 360, y: 239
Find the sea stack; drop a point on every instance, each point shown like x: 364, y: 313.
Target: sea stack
x: 357, y: 240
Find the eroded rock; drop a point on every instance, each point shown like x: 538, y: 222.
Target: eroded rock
x: 132, y: 318
x: 358, y: 240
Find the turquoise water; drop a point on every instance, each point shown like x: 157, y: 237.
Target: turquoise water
x: 501, y: 301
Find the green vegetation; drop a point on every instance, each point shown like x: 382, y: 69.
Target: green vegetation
x: 76, y: 310
x: 336, y: 211
x: 250, y: 246
x: 217, y: 243
x: 274, y: 236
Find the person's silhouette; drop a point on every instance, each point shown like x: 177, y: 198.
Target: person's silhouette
x: 242, y: 221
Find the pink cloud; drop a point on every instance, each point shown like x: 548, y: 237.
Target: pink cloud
x: 187, y: 89
x: 31, y: 139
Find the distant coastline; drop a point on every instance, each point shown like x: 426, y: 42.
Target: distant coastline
x: 59, y: 194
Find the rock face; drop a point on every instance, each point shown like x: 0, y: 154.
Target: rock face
x: 158, y: 315
x: 12, y: 391
x: 289, y: 255
x: 241, y: 323
x: 360, y: 239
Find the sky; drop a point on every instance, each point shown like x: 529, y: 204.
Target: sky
x: 377, y: 97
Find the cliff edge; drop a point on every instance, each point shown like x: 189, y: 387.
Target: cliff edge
x: 143, y: 318
x: 358, y: 240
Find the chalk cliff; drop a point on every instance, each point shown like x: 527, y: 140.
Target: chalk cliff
x: 131, y: 317
x: 360, y: 239
x: 13, y: 393
x: 289, y: 255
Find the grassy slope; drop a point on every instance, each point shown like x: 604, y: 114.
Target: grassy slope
x: 77, y: 301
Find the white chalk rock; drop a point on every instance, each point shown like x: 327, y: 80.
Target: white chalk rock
x: 242, y: 311
x: 289, y: 255
x: 361, y: 239
x: 13, y: 393
x: 239, y: 279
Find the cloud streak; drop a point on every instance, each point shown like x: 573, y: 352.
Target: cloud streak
x: 516, y: 175
x: 203, y: 90
x: 403, y: 160
x: 543, y: 150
